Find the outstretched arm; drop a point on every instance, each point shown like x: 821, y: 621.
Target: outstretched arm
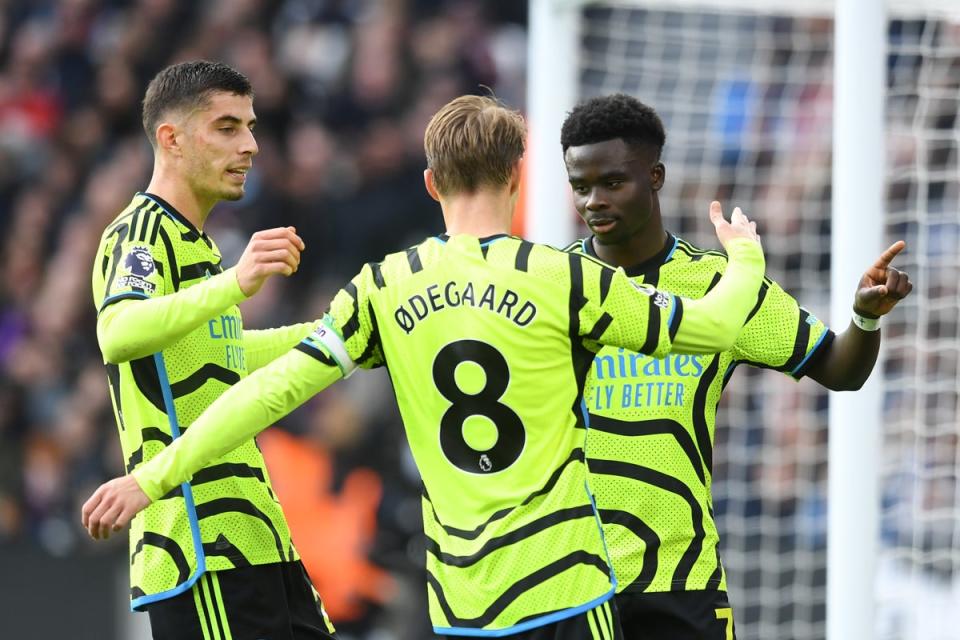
x: 712, y: 323
x: 850, y: 358
x: 263, y: 346
x: 243, y: 411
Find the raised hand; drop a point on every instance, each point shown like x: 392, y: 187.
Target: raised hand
x: 882, y: 286
x: 269, y: 252
x: 112, y: 506
x: 738, y: 227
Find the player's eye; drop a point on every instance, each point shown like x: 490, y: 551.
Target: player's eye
x: 613, y: 184
x: 580, y: 190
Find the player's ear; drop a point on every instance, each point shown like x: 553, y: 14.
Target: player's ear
x: 166, y: 136
x: 428, y: 183
x: 658, y: 175
x: 516, y: 174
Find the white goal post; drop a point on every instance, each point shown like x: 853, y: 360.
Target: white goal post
x: 889, y: 73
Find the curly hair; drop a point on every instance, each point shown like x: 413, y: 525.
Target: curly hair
x: 611, y: 117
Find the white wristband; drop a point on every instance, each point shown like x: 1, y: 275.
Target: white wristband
x: 866, y: 324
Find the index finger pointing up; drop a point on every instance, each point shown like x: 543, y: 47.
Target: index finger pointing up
x: 887, y: 256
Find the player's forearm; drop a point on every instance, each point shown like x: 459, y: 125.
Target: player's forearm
x: 243, y: 411
x: 263, y: 346
x: 711, y: 324
x: 849, y: 360
x: 132, y: 329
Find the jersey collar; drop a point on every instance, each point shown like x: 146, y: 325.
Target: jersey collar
x: 444, y: 238
x: 176, y: 215
x: 648, y: 266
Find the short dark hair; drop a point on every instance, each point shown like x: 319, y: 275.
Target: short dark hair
x: 610, y: 117
x: 188, y: 85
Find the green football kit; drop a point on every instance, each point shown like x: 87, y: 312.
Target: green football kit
x: 488, y: 342
x: 652, y: 421
x: 172, y: 336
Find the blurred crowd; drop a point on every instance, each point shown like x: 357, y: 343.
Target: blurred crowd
x: 344, y: 89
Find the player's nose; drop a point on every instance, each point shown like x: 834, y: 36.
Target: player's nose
x: 249, y: 144
x: 595, y: 200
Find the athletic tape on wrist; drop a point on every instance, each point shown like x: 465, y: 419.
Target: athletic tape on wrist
x: 867, y: 324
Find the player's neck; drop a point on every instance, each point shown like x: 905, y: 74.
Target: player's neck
x: 636, y: 249
x: 482, y: 213
x: 179, y: 194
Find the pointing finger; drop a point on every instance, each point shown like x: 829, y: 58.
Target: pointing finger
x: 887, y: 256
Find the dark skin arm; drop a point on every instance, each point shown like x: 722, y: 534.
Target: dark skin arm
x: 851, y: 357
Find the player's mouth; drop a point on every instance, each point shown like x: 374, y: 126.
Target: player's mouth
x: 601, y: 225
x: 239, y: 174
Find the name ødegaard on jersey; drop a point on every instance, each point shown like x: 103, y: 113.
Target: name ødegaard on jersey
x: 438, y: 297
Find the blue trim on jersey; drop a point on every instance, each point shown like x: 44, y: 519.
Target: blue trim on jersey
x: 159, y: 204
x: 187, y: 497
x: 603, y: 538
x: 673, y: 307
x: 812, y: 351
x: 672, y: 249
x: 529, y: 624
x: 484, y: 243
x: 487, y: 243
x: 593, y: 500
x: 126, y: 294
x: 174, y: 215
x: 729, y: 372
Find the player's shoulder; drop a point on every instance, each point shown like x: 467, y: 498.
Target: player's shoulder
x: 139, y: 222
x: 687, y: 253
x: 399, y: 265
x: 566, y: 264
x: 578, y: 248
x: 691, y: 264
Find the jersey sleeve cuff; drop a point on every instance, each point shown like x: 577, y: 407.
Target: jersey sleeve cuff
x: 151, y: 488
x: 129, y: 295
x: 818, y: 351
x: 233, y: 287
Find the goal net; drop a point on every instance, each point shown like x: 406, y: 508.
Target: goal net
x: 745, y: 92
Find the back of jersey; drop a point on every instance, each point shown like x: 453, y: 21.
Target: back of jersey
x: 483, y: 346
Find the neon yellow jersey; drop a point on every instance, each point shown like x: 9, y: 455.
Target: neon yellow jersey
x: 488, y: 343
x: 227, y: 516
x: 492, y: 421
x: 650, y: 441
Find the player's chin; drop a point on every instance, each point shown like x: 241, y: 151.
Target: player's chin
x: 232, y: 193
x: 608, y: 238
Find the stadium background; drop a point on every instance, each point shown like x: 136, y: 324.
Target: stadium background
x: 343, y: 91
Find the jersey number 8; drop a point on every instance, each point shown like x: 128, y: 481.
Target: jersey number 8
x: 485, y: 402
